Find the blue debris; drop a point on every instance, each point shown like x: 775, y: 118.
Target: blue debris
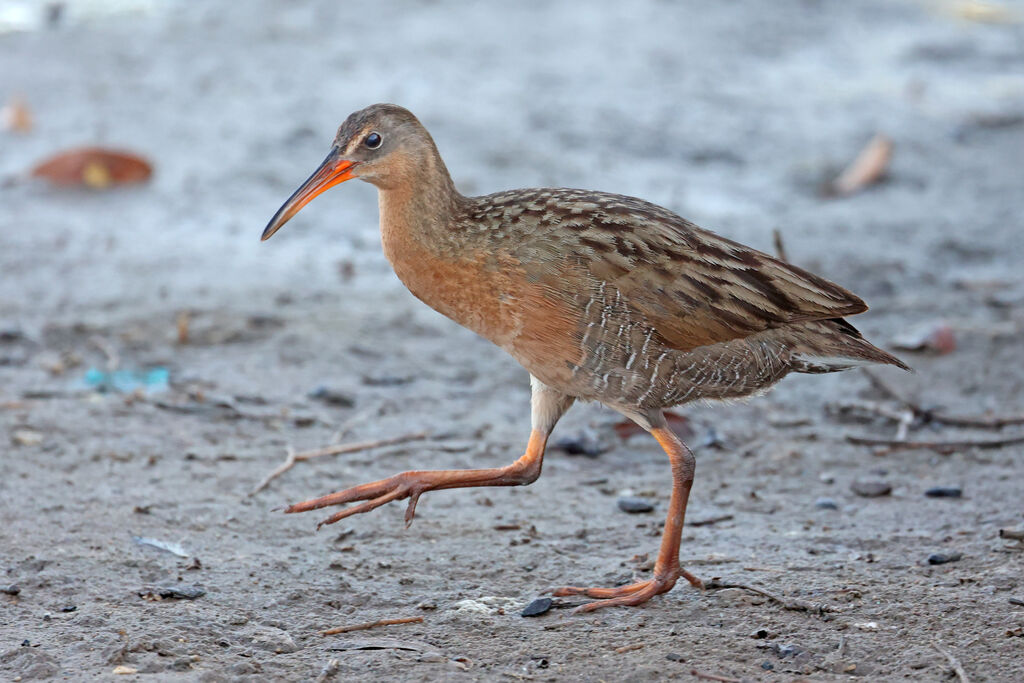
x: 149, y: 381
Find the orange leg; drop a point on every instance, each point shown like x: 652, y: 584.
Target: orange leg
x: 412, y: 484
x: 666, y: 569
x: 548, y: 405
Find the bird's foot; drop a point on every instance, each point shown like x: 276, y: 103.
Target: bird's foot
x: 405, y: 485
x: 630, y: 595
x: 413, y: 484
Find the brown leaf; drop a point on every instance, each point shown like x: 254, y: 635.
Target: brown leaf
x: 16, y: 116
x: 937, y: 338
x: 867, y: 169
x: 94, y: 167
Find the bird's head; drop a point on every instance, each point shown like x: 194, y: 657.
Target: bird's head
x: 383, y: 144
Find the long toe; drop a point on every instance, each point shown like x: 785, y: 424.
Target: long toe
x: 602, y: 593
x: 626, y: 596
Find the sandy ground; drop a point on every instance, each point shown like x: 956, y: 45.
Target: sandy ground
x: 731, y: 114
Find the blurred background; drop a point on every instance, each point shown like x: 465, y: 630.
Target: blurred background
x: 155, y: 355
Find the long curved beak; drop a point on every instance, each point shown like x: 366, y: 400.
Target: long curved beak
x: 331, y: 172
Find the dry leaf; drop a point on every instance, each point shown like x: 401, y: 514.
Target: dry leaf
x: 935, y: 338
x: 985, y: 12
x: 16, y: 116
x: 867, y: 169
x: 94, y: 167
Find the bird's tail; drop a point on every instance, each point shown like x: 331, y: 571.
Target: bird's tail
x: 834, y: 345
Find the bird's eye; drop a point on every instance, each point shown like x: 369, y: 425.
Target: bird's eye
x: 373, y: 140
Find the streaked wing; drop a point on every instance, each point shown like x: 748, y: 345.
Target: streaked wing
x: 694, y: 287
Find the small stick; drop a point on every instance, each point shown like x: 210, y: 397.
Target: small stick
x: 925, y: 415
x: 794, y: 604
x: 884, y: 387
x: 944, y: 447
x: 327, y: 673
x: 714, y: 677
x: 1013, y: 534
x: 629, y: 648
x: 371, y: 624
x: 113, y: 360
x: 780, y: 248
x: 181, y: 323
x: 863, y: 409
x: 288, y: 463
x: 980, y: 422
x: 338, y: 449
x: 953, y: 662
x: 710, y: 520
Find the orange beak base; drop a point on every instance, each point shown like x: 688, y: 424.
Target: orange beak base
x: 330, y: 173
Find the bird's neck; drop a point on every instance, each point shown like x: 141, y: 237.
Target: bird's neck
x: 416, y: 213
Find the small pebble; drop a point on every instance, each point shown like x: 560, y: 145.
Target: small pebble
x: 69, y: 608
x: 333, y: 397
x: 767, y: 666
x: 537, y: 607
x: 1017, y: 601
x: 943, y: 558
x: 634, y: 504
x: 871, y: 489
x: 172, y: 593
x: 826, y: 504
x: 673, y: 657
x: 787, y: 649
x: 944, y: 492
x: 12, y: 589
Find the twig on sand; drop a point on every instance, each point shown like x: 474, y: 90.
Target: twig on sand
x: 371, y: 624
x: 780, y: 247
x: 795, y: 604
x: 944, y: 447
x: 108, y: 350
x: 709, y: 520
x: 629, y: 648
x: 953, y: 662
x: 337, y: 449
x: 926, y: 415
x: 714, y: 677
x: 328, y: 672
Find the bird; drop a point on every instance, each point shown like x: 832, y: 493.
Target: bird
x: 600, y: 297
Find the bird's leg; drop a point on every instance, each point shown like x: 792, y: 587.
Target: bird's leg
x: 548, y: 406
x: 666, y: 569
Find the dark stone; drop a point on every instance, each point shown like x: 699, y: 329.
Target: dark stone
x: 12, y: 589
x: 943, y: 558
x: 673, y: 657
x: 172, y: 593
x: 69, y: 608
x: 333, y: 397
x: 944, y: 492
x: 537, y: 607
x: 826, y: 504
x: 787, y: 650
x: 635, y: 505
